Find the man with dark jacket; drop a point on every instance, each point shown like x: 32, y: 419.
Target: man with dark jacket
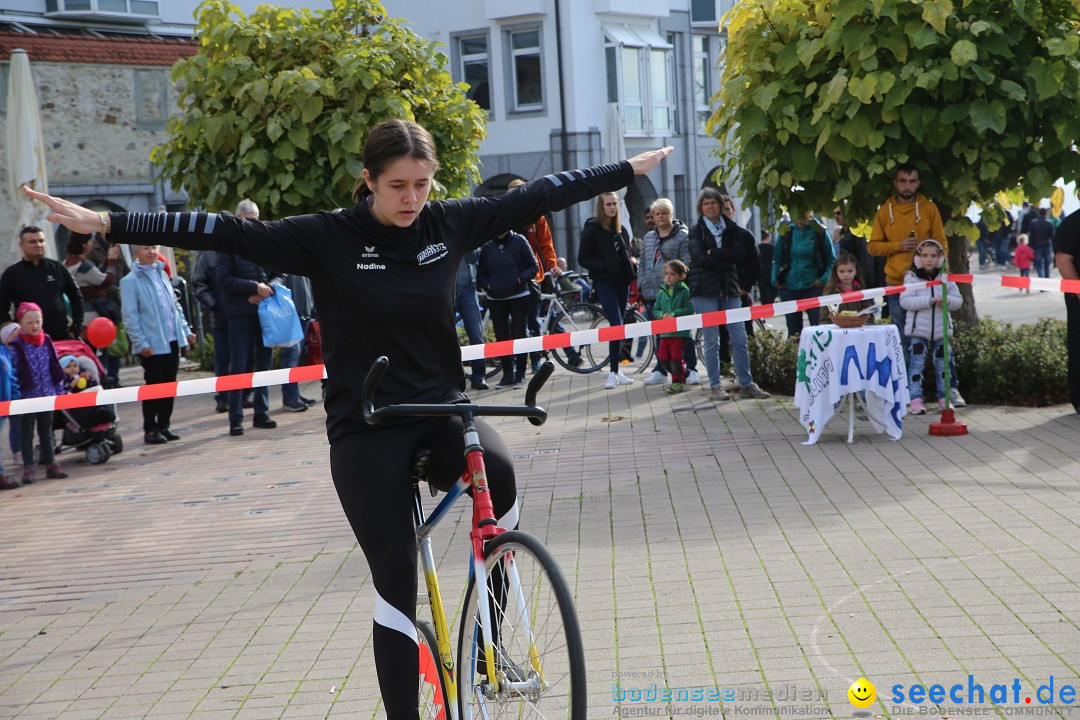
x: 749, y: 270
x: 765, y: 259
x: 1041, y: 240
x: 44, y: 281
x: 208, y: 293
x: 717, y: 248
x: 243, y: 286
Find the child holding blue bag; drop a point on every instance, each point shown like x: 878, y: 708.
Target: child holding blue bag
x: 157, y: 330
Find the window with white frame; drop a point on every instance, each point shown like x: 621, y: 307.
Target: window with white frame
x: 148, y: 8
x: 704, y: 12
x: 526, y: 69
x: 640, y: 76
x: 475, y: 68
x: 703, y: 86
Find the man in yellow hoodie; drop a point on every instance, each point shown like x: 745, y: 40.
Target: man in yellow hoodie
x: 905, y: 220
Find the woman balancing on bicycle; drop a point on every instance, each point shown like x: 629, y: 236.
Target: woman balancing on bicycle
x: 379, y: 271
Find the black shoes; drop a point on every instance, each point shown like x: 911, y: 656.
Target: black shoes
x: 295, y: 406
x: 478, y: 384
x: 236, y: 429
x: 264, y: 421
x: 154, y: 438
x: 506, y: 381
x: 519, y: 381
x: 6, y: 484
x: 307, y: 401
x: 222, y: 406
x: 247, y: 403
x: 169, y: 434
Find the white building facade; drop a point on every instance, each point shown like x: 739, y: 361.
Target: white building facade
x: 547, y: 70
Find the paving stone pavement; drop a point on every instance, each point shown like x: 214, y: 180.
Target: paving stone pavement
x: 709, y: 552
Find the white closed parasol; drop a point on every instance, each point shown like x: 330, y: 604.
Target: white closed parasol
x: 26, y: 151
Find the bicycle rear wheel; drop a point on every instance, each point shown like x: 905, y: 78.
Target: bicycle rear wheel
x: 433, y: 703
x: 576, y: 317
x: 636, y: 354
x: 540, y: 660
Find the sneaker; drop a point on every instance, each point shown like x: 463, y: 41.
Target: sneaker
x: 6, y: 484
x: 941, y: 404
x: 576, y: 361
x: 718, y: 394
x: 656, y: 378
x: 611, y: 382
x: 221, y: 406
x: 956, y: 398
x: 307, y: 401
x: 247, y: 403
x: 264, y: 421
x: 623, y: 380
x: 692, y: 378
x: 916, y: 407
x: 506, y: 381
x: 54, y: 472
x: 674, y: 388
x: 752, y: 391
x: 28, y: 476
x: 519, y: 381
x: 169, y: 435
x: 16, y: 458
x: 295, y: 406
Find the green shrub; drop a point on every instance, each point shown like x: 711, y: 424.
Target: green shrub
x: 203, y: 353
x: 998, y: 364
x: 774, y: 361
x: 1003, y: 364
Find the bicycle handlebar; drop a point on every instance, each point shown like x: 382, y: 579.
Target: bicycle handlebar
x: 536, y: 415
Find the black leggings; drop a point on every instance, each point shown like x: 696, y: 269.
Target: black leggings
x: 372, y: 473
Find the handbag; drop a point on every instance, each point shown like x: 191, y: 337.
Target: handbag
x: 279, y: 320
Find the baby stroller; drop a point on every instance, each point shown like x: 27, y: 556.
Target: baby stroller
x: 92, y: 429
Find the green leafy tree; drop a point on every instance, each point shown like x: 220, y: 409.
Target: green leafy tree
x: 275, y: 106
x: 821, y: 99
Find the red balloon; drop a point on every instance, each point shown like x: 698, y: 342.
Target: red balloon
x: 101, y: 332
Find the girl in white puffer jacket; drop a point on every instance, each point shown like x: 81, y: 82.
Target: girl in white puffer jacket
x: 924, y: 325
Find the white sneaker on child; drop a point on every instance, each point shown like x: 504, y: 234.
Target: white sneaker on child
x: 656, y: 378
x: 623, y: 380
x: 692, y: 378
x: 611, y: 382
x: 956, y: 399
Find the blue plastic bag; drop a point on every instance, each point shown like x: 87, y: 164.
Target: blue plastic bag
x: 279, y: 320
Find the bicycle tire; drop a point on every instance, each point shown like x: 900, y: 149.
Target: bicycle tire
x: 577, y: 317
x: 492, y: 366
x: 557, y: 658
x: 432, y: 690
x: 600, y: 352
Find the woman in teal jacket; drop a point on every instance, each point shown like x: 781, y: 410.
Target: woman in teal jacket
x: 802, y: 262
x: 157, y: 330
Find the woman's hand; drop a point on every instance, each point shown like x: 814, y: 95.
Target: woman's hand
x: 191, y: 339
x: 146, y: 352
x: 646, y: 161
x: 73, y: 217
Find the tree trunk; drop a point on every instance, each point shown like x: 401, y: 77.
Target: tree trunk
x: 959, y: 250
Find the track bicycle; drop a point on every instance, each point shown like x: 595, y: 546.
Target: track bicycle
x: 519, y: 651
x: 555, y: 317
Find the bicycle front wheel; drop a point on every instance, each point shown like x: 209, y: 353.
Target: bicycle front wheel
x: 432, y: 701
x: 578, y: 358
x: 539, y: 657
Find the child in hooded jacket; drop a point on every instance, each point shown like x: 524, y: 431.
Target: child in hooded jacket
x: 673, y: 300
x: 925, y: 322
x: 38, y: 371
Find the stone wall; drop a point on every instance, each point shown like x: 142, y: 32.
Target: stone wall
x: 100, y: 123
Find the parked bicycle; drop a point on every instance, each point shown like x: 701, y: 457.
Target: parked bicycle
x: 519, y: 650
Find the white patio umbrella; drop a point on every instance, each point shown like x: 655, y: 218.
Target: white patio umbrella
x: 614, y: 150
x: 26, y: 151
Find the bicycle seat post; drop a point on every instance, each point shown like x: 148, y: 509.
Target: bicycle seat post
x: 484, y: 523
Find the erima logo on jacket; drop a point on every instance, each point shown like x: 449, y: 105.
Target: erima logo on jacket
x: 432, y: 253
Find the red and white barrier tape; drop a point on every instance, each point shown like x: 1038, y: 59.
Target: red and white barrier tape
x: 243, y: 381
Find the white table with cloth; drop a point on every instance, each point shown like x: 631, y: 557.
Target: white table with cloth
x: 866, y: 362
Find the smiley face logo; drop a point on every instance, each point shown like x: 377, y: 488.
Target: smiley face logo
x: 862, y: 693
